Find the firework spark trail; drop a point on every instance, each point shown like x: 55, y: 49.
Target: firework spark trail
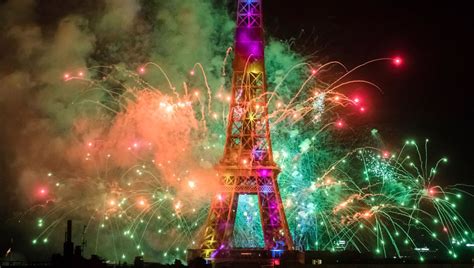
x: 152, y: 167
x: 398, y: 213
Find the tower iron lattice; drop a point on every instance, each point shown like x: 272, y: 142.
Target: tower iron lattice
x: 247, y: 166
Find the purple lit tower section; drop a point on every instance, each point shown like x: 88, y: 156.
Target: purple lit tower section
x: 247, y: 166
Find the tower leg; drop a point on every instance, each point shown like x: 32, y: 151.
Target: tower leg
x: 275, y: 228
x: 220, y: 224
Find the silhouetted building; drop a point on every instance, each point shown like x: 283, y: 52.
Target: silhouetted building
x: 68, y: 244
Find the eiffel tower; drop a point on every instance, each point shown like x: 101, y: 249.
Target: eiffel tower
x: 247, y: 166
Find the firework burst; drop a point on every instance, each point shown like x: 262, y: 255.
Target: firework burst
x: 148, y: 157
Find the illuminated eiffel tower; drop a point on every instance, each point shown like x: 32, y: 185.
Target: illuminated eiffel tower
x: 247, y: 166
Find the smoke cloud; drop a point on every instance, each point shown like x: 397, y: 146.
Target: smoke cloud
x: 50, y: 126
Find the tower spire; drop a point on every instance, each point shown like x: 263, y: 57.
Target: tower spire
x: 248, y: 137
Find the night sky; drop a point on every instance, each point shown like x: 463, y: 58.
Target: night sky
x: 429, y: 97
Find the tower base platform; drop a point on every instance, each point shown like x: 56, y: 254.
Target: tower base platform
x: 250, y: 258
